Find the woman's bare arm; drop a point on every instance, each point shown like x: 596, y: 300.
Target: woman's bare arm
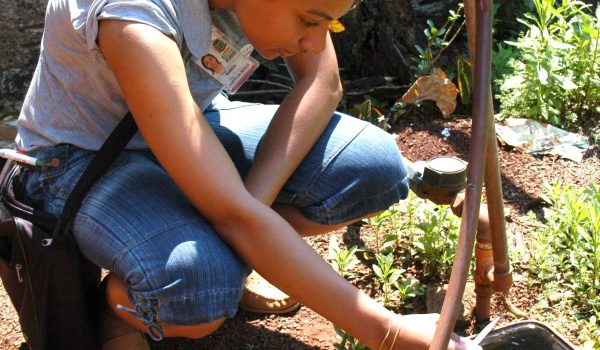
x: 298, y: 123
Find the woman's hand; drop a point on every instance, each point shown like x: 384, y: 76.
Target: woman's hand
x: 417, y: 331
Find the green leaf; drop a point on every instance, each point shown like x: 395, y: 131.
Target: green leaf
x: 522, y: 44
x: 378, y: 271
x: 566, y: 83
x: 542, y: 75
x: 340, y: 332
x: 513, y: 82
x: 561, y: 45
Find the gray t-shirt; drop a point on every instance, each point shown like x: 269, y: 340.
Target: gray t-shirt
x: 74, y: 96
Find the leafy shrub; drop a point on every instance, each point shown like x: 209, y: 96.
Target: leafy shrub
x: 566, y: 252
x: 437, y: 41
x: 435, y: 245
x: 555, y: 77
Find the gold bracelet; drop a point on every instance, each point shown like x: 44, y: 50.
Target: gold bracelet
x: 395, y: 337
x: 386, y: 334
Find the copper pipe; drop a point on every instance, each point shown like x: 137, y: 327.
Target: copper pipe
x: 493, y: 184
x: 471, y: 19
x: 475, y: 174
x: 493, y: 189
x: 502, y: 273
x: 483, y: 247
x: 484, y: 261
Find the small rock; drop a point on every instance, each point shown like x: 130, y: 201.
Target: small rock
x: 434, y: 298
x: 554, y: 298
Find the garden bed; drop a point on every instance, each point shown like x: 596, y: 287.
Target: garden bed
x: 420, y: 139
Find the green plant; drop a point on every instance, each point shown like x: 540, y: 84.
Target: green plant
x: 408, y: 288
x: 348, y: 342
x: 595, y: 138
x: 503, y: 58
x: 435, y: 245
x: 396, y: 226
x: 555, y: 76
x: 410, y: 210
x: 431, y: 57
x: 384, y: 225
x: 464, y: 78
x: 387, y: 276
x: 372, y: 111
x: 591, y: 333
x: 573, y: 224
x: 504, y: 15
x: 566, y: 252
x: 342, y: 260
x: 437, y: 41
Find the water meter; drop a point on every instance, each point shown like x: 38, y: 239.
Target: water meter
x: 438, y: 179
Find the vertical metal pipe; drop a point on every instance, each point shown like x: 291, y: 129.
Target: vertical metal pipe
x: 483, y: 290
x: 493, y: 185
x: 495, y: 203
x: 484, y: 261
x: 483, y: 250
x: 470, y: 17
x: 479, y: 134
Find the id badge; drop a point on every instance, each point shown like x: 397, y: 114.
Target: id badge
x: 226, y: 62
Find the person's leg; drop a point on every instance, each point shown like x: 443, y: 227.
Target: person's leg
x: 181, y: 279
x: 116, y: 294
x: 307, y: 227
x: 364, y: 175
x: 354, y: 170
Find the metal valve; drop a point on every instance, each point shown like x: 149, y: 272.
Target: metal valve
x: 438, y: 179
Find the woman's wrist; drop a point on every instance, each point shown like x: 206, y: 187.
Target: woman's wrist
x: 391, y: 339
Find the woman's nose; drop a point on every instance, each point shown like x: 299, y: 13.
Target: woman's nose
x: 314, y: 40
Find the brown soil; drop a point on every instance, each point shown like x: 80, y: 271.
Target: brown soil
x: 522, y: 176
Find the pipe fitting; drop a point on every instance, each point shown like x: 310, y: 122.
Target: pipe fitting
x: 502, y: 281
x: 484, y: 264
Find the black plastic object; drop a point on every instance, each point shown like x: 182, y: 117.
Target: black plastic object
x: 526, y: 335
x: 448, y: 173
x: 439, y: 179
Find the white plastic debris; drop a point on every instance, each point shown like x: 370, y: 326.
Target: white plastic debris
x: 534, y: 137
x: 446, y: 133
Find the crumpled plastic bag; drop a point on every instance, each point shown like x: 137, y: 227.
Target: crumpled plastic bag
x: 534, y: 137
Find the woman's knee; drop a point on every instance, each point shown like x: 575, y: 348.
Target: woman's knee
x: 177, y: 280
x: 367, y: 176
x: 378, y: 157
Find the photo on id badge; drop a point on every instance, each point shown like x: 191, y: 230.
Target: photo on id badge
x: 226, y: 62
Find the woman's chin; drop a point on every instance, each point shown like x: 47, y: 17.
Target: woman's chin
x: 268, y: 54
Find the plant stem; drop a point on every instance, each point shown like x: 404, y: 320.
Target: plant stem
x: 588, y: 80
x: 449, y: 43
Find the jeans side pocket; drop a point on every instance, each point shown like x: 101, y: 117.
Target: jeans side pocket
x: 50, y: 185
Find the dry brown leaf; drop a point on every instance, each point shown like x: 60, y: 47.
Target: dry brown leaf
x: 435, y: 87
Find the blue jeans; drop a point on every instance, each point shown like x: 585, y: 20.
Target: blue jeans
x: 136, y: 223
